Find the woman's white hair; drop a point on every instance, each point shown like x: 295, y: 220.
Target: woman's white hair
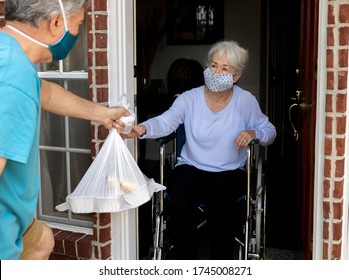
x: 237, y: 56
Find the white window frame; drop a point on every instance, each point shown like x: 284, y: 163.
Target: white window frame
x: 67, y: 223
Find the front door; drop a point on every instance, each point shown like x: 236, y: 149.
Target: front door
x: 306, y: 97
x: 291, y: 84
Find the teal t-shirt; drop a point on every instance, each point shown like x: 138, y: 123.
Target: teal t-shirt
x: 19, y: 144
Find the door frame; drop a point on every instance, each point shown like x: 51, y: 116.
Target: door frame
x: 121, y: 22
x: 121, y: 45
x: 319, y: 147
x: 319, y: 133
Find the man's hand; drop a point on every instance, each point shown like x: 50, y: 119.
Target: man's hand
x: 112, y: 118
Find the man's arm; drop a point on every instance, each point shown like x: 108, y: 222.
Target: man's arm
x: 2, y: 164
x: 57, y: 100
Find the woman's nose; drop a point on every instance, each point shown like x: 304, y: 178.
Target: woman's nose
x: 217, y: 70
x: 220, y: 70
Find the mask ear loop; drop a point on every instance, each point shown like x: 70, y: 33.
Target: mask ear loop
x: 26, y: 36
x: 63, y: 15
x: 34, y: 40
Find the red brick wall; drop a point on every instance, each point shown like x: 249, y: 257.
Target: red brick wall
x: 71, y: 246
x: 78, y: 246
x: 97, y: 19
x: 336, y: 118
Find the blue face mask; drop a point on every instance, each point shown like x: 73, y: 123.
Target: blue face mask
x: 60, y: 49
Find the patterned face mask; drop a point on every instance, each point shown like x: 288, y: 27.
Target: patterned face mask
x: 218, y: 82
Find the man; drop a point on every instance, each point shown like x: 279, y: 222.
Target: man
x: 36, y: 31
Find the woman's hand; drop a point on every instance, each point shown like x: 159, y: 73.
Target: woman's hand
x: 245, y: 137
x: 137, y: 131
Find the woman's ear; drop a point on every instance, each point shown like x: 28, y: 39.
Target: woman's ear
x: 237, y: 76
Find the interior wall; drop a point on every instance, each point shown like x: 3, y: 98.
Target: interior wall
x: 241, y: 23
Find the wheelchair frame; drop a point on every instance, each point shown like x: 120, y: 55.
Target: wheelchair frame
x: 253, y: 246
x: 161, y: 246
x: 254, y: 230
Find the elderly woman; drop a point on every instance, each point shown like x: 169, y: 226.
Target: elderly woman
x: 220, y: 120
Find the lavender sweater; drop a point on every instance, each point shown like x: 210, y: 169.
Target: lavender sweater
x: 210, y: 135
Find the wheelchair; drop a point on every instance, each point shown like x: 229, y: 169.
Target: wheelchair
x: 254, y: 230
x: 251, y: 241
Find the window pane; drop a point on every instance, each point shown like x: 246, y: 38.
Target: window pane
x: 79, y: 130
x: 53, y: 181
x: 79, y: 133
x: 43, y: 67
x: 77, y: 58
x: 79, y: 163
x: 52, y: 130
x: 79, y: 87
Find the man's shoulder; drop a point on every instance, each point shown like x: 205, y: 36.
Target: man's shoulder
x: 8, y: 44
x: 12, y: 54
x: 16, y: 70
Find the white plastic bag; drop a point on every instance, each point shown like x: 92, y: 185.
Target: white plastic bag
x: 127, y: 120
x: 112, y: 183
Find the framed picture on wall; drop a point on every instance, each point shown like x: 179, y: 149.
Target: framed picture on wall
x: 194, y: 22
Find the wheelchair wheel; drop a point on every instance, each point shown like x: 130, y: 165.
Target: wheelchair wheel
x: 260, y: 212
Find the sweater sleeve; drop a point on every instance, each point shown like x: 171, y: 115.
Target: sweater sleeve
x: 167, y: 122
x: 258, y: 121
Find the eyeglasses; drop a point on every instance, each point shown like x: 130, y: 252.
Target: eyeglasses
x: 224, y: 69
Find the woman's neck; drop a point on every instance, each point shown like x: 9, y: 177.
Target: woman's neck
x: 217, y: 101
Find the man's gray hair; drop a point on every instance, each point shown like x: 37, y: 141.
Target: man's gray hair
x: 237, y: 56
x: 33, y: 11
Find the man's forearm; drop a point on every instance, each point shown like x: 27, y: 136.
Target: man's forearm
x: 2, y: 164
x: 57, y: 100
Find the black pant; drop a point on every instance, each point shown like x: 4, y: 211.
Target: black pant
x: 220, y: 191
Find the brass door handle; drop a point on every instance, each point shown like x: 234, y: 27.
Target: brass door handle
x: 298, y: 96
x: 296, y: 103
x: 295, y: 132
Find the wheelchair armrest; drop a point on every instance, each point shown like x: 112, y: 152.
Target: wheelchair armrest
x: 254, y: 142
x: 164, y: 140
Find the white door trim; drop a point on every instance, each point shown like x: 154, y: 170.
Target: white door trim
x: 121, y: 80
x: 320, y: 133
